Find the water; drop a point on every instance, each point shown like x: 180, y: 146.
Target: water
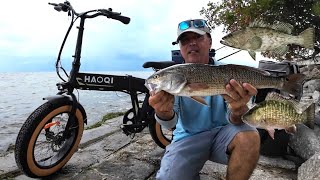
x: 22, y: 93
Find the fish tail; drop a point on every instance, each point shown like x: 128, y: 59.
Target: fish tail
x: 308, y: 37
x: 310, y: 116
x: 293, y: 84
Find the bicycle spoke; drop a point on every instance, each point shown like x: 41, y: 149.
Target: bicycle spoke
x: 51, y: 145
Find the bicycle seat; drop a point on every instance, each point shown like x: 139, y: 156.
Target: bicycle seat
x: 158, y: 64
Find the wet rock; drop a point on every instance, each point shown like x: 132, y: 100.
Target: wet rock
x: 310, y: 169
x: 304, y: 142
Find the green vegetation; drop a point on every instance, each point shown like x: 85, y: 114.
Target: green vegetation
x: 104, y: 119
x: 238, y: 14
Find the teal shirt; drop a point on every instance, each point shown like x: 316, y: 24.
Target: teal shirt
x: 194, y: 117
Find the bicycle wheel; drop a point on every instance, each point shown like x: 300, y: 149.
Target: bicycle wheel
x: 42, y: 147
x: 161, y: 136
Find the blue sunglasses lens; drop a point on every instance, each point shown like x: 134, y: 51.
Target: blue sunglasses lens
x: 184, y: 25
x: 199, y: 23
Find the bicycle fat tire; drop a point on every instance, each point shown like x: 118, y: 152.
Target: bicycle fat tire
x: 30, y: 130
x: 156, y: 132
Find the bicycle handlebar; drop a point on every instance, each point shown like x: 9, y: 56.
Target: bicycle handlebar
x: 66, y: 7
x: 114, y: 15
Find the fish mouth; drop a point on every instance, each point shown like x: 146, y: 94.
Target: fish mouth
x: 152, y: 88
x: 226, y: 43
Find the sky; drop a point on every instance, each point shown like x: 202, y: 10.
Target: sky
x: 31, y: 33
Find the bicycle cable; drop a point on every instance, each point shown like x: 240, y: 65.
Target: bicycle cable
x: 58, y: 61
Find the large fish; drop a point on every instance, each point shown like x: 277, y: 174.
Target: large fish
x: 205, y: 80
x: 279, y: 112
x: 261, y: 37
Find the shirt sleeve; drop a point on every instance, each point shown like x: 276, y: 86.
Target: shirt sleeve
x: 168, y: 124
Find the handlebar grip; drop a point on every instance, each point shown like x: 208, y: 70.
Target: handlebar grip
x: 123, y: 19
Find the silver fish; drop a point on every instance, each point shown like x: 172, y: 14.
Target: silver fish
x: 279, y: 112
x: 205, y: 80
x: 261, y: 37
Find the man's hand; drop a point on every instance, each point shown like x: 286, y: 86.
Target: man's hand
x: 162, y: 103
x: 237, y: 98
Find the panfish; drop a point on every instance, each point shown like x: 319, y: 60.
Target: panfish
x: 279, y: 112
x: 194, y: 80
x: 262, y: 37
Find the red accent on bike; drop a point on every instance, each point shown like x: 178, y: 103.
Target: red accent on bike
x: 51, y: 124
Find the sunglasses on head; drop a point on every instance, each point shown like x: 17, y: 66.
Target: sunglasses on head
x: 197, y: 23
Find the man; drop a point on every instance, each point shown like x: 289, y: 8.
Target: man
x: 214, y: 132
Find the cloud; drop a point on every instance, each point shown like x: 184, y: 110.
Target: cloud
x: 37, y: 30
x: 32, y: 33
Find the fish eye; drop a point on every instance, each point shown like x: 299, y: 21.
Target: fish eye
x: 156, y: 76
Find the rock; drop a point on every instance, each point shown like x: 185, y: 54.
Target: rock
x: 267, y: 168
x: 311, y: 71
x: 276, y: 162
x: 310, y: 169
x: 317, y: 131
x: 304, y: 142
x: 113, y: 155
x: 317, y: 117
x: 311, y: 86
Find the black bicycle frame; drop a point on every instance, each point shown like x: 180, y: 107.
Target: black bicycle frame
x: 102, y: 82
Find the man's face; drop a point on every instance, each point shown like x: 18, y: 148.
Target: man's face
x: 195, y: 48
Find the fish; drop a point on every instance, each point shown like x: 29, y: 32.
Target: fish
x: 197, y: 80
x: 263, y: 37
x: 280, y: 112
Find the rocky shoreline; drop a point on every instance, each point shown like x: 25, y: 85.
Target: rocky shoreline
x: 106, y: 153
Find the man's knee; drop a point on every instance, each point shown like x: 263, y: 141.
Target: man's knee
x: 248, y: 141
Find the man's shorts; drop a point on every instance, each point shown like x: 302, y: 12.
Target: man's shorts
x: 185, y: 158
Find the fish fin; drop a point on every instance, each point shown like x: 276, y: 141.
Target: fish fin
x: 244, y: 68
x: 197, y: 86
x: 199, y: 99
x: 273, y: 96
x: 293, y: 84
x: 281, y: 50
x: 282, y: 27
x: 271, y: 133
x: 299, y: 106
x: 255, y: 43
x: 310, y: 116
x: 279, y: 26
x: 308, y: 36
x: 259, y: 24
x: 252, y: 54
x: 291, y: 130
